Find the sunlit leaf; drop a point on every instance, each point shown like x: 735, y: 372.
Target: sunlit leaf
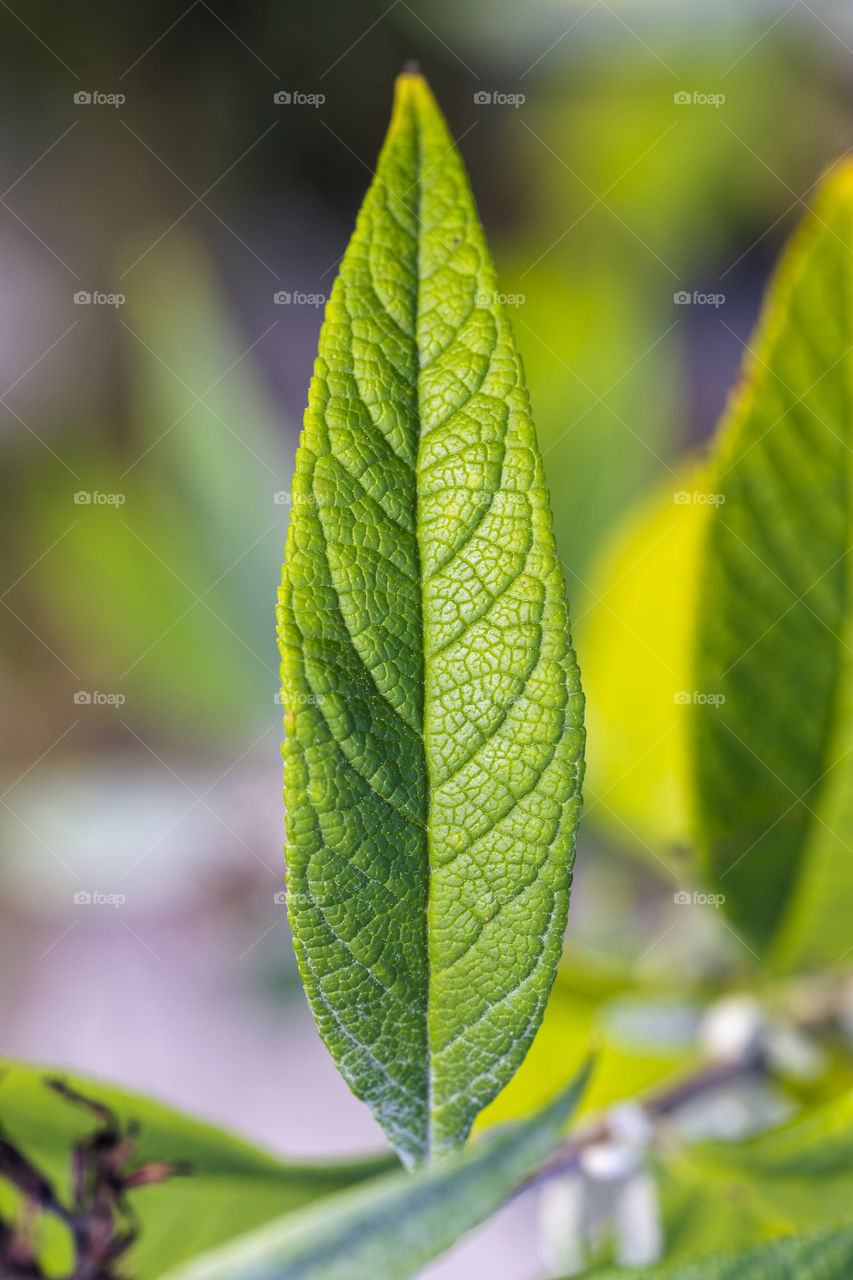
x: 433, y: 710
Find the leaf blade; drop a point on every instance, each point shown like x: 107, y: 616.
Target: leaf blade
x: 815, y: 1255
x: 774, y: 620
x: 433, y: 707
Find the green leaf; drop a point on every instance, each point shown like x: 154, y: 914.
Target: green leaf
x: 585, y: 1006
x: 774, y: 760
x: 390, y: 1228
x: 433, y: 707
x: 792, y: 1178
x: 233, y: 1185
x: 818, y: 1255
x: 634, y: 643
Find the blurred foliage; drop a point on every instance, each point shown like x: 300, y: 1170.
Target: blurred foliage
x: 358, y: 1235
x: 167, y: 597
x: 772, y: 725
x: 232, y: 1186
x: 824, y: 1254
x: 603, y: 198
x: 634, y: 643
x: 788, y: 1179
x: 642, y: 1034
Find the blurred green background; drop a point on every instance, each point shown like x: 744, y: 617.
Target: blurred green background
x: 141, y: 759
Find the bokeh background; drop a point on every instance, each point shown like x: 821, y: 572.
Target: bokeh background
x: 148, y: 437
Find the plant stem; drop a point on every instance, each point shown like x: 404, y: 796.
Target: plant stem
x: 656, y: 1107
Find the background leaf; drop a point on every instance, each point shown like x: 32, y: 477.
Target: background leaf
x: 390, y: 1229
x: 593, y: 1002
x: 233, y: 1185
x: 818, y: 1255
x: 792, y: 1178
x: 634, y: 642
x: 433, y: 710
x: 159, y: 597
x: 773, y: 761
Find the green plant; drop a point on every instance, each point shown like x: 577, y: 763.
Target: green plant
x: 433, y: 762
x: 432, y: 702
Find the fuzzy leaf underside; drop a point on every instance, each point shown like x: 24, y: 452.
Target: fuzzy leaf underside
x: 773, y: 751
x: 432, y: 703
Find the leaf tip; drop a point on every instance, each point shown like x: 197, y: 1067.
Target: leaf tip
x: 837, y: 178
x: 411, y: 85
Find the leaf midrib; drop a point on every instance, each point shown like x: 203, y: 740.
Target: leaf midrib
x: 419, y: 368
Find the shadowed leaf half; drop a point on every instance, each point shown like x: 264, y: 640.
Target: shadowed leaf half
x: 773, y: 732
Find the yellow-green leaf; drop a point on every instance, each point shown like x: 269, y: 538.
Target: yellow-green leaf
x: 433, y: 707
